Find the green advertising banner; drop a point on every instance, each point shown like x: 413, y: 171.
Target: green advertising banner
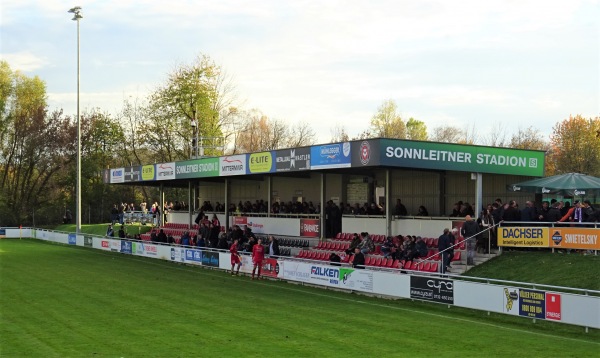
x: 466, y: 158
x: 197, y: 168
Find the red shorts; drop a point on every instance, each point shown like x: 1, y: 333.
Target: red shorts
x: 235, y: 259
x: 257, y: 262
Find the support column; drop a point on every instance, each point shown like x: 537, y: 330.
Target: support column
x: 161, y: 206
x: 322, y: 197
x: 478, y: 194
x: 190, y: 211
x: 227, y: 205
x: 388, y: 204
x: 269, y: 191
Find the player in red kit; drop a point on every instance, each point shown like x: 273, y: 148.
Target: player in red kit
x: 235, y: 257
x: 258, y: 254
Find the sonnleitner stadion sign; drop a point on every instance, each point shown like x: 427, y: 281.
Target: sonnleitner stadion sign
x: 444, y: 156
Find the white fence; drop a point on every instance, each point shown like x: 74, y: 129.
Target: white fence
x: 513, y: 298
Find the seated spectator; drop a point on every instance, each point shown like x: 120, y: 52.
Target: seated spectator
x: 422, y: 211
x: 170, y: 239
x: 353, y: 244
x: 222, y: 243
x: 366, y: 244
x: 386, y: 248
x: 121, y: 232
x: 200, y: 242
x: 359, y: 259
x: 400, y: 209
x: 161, y: 237
x: 420, y: 248
x: 185, y: 239
x: 335, y: 259
x: 456, y: 209
x: 153, y: 237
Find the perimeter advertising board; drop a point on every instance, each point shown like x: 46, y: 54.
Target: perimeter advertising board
x: 330, y: 156
x: 532, y: 303
x: 310, y: 227
x: 332, y: 276
x: 466, y: 158
x: 232, y: 165
x: 291, y: 160
x: 260, y: 163
x: 197, y: 168
x: 432, y: 289
x: 523, y: 236
x: 574, y: 238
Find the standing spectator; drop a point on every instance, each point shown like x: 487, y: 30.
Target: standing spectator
x: 400, y: 209
x: 554, y: 213
x: 235, y: 258
x: 588, y: 211
x: 452, y: 236
x: 529, y: 212
x: 122, y: 232
x: 511, y: 212
x: 443, y: 245
x: 359, y: 259
x: 543, y: 212
x: 110, y: 232
x: 469, y: 231
x: 273, y: 247
x: 574, y: 214
x: 114, y: 214
x: 486, y: 223
x: 258, y: 255
x: 222, y: 244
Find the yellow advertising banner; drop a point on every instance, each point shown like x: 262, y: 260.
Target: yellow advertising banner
x: 523, y: 236
x: 574, y: 238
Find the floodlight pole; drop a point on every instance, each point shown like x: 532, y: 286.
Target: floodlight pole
x: 76, y: 11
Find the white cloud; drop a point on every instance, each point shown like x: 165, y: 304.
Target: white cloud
x: 24, y: 61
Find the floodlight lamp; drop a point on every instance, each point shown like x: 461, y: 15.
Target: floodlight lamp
x: 75, y: 9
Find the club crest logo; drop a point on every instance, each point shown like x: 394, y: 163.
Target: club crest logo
x: 365, y: 152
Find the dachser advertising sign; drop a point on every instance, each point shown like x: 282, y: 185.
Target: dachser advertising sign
x: 523, y: 236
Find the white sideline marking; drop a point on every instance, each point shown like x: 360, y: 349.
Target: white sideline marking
x: 208, y: 273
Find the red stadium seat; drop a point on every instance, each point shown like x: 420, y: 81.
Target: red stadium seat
x: 396, y: 264
x: 339, y: 236
x: 390, y: 263
x: 433, y: 267
x: 377, y: 262
x: 368, y: 261
x: 426, y: 267
x: 377, y: 250
x: 346, y: 259
x: 383, y: 263
x: 456, y: 256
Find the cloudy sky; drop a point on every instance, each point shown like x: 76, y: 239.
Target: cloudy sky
x: 465, y: 63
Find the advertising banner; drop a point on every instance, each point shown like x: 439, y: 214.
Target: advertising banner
x: 270, y: 267
x: 133, y: 174
x: 468, y: 158
x: 165, y: 171
x: 144, y: 249
x: 2, y: 233
x: 329, y: 156
x: 197, y: 168
x: 148, y: 172
x: 432, y: 289
x: 88, y: 241
x: 177, y: 254
x: 290, y: 160
x: 574, y: 238
x: 532, y: 304
x: 260, y: 163
x: 193, y: 256
x: 310, y: 227
x: 117, y: 175
x: 232, y: 165
x: 523, y: 236
x: 72, y: 239
x: 359, y: 280
x: 273, y: 226
x: 126, y: 247
x: 553, y: 307
x: 106, y: 176
x: 365, y: 153
x: 210, y: 258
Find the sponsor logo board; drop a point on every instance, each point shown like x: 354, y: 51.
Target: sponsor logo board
x: 365, y: 153
x: 532, y: 303
x: 260, y: 162
x: 310, y: 227
x: 523, y: 236
x: 126, y: 247
x: 574, y: 238
x: 361, y: 280
x: 148, y: 172
x: 133, y: 174
x: 193, y: 256
x: 232, y: 165
x: 197, y: 168
x: 432, y: 289
x: 165, y: 171
x: 72, y: 239
x: 289, y: 160
x: 210, y: 258
x: 553, y: 306
x: 88, y: 241
x: 330, y: 156
x: 117, y: 175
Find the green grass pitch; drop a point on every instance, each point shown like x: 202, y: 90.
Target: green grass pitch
x: 66, y: 301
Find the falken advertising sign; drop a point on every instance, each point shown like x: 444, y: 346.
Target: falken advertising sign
x: 466, y: 158
x: 197, y: 168
x: 328, y: 156
x: 291, y: 160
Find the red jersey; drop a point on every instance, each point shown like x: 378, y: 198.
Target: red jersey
x: 258, y: 253
x: 235, y: 256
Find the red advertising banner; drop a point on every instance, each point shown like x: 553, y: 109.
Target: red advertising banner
x: 270, y: 267
x: 310, y: 227
x: 240, y: 220
x: 553, y: 310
